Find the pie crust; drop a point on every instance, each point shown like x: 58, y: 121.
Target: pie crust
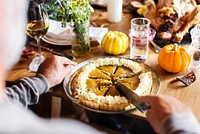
x: 94, y: 83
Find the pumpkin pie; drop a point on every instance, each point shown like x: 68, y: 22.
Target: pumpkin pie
x: 94, y: 84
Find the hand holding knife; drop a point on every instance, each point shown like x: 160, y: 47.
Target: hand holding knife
x: 132, y: 97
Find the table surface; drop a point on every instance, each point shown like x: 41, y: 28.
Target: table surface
x: 168, y: 83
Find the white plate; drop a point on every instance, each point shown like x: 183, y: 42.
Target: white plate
x: 55, y: 41
x: 58, y: 35
x: 94, y: 32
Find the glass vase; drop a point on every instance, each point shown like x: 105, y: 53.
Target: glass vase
x: 80, y: 40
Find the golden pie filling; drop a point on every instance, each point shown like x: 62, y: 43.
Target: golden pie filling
x: 94, y: 84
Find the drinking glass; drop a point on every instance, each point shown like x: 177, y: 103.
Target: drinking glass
x: 194, y: 51
x: 36, y: 28
x: 194, y: 48
x: 139, y: 38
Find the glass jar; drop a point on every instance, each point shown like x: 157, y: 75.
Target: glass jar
x: 80, y: 40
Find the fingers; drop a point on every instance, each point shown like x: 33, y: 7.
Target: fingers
x: 68, y: 61
x: 69, y: 68
x: 149, y: 99
x: 64, y: 61
x: 59, y: 61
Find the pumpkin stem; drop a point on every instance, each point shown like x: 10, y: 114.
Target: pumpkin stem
x: 175, y: 47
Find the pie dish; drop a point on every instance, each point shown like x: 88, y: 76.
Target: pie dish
x: 91, y: 83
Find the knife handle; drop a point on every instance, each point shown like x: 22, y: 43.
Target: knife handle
x: 144, y: 106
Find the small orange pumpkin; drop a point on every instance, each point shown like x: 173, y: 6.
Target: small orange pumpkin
x: 174, y: 58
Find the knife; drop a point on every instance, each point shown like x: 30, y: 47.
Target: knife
x: 132, y: 97
x: 156, y: 48
x: 54, y: 52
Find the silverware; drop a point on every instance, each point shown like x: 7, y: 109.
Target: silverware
x: 157, y: 48
x: 132, y: 97
x: 187, y: 78
x: 54, y: 52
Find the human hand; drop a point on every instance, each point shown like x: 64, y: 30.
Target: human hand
x: 55, y: 69
x: 162, y: 107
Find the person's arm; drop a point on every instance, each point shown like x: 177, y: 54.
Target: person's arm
x: 28, y: 90
x: 169, y: 116
x: 180, y: 124
x: 51, y: 72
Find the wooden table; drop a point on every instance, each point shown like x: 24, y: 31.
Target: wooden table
x: 189, y: 95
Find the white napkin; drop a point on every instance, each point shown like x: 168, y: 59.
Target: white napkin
x: 56, y: 31
x: 97, y: 33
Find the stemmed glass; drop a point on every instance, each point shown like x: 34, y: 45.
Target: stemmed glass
x: 37, y: 27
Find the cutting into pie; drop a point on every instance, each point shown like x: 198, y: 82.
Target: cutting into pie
x: 94, y: 84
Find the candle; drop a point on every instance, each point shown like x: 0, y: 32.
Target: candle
x: 114, y: 9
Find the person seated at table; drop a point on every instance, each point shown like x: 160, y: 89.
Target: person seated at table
x: 164, y: 114
x: 169, y: 116
x: 14, y: 118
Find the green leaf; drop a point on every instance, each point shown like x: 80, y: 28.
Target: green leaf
x: 73, y: 11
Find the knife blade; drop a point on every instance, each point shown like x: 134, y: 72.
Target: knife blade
x: 54, y: 52
x: 132, y: 97
x: 156, y: 48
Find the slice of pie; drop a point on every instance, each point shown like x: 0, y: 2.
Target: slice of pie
x: 113, y: 91
x: 131, y: 82
x: 109, y: 70
x: 122, y: 72
x: 94, y: 84
x: 98, y: 86
x: 98, y: 74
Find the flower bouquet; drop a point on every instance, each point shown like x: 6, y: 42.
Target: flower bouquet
x: 77, y: 14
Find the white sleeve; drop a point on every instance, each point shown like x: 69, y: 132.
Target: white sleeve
x: 180, y: 124
x: 16, y: 120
